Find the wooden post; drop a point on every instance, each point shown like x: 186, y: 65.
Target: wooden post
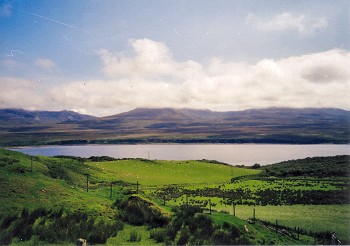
x: 276, y: 226
x: 137, y: 187
x: 234, y: 209
x: 186, y: 199
x: 209, y: 206
x: 111, y: 191
x: 87, y: 182
x: 298, y: 232
x: 164, y: 200
x: 254, y: 213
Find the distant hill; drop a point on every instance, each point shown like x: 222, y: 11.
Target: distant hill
x: 268, y: 115
x: 321, y: 167
x: 21, y: 116
x: 159, y: 125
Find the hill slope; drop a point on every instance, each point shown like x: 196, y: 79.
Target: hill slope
x: 21, y: 117
x: 320, y: 167
x: 43, y: 200
x: 144, y: 125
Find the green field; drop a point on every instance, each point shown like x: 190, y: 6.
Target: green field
x: 42, y: 193
x: 335, y: 218
x: 159, y: 173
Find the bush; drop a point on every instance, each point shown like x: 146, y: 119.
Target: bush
x: 135, y: 237
x: 56, y: 227
x: 138, y: 212
x: 159, y: 235
x: 222, y: 237
x: 184, y: 237
x: 6, y: 222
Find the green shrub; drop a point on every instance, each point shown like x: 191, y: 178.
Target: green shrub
x: 135, y: 236
x: 56, y: 227
x: 6, y: 222
x: 184, y: 237
x: 159, y: 235
x: 138, y: 212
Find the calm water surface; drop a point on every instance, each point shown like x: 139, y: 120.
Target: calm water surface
x: 235, y: 154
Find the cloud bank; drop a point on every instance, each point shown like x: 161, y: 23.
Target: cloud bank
x: 288, y: 22
x: 150, y: 77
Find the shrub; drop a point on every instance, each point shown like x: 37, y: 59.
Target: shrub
x: 184, y: 237
x: 6, y: 222
x: 56, y: 227
x: 222, y: 237
x: 135, y: 237
x: 138, y: 212
x: 159, y: 235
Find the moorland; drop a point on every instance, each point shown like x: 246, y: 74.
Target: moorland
x: 20, y: 127
x: 55, y: 200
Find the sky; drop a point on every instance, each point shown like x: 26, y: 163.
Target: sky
x: 103, y: 57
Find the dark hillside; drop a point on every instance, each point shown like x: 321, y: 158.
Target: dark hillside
x: 21, y: 116
x: 322, y: 167
x: 169, y: 125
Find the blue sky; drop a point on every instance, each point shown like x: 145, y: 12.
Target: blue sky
x: 104, y: 57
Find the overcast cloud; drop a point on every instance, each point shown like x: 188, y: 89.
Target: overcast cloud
x: 150, y: 77
x: 286, y: 21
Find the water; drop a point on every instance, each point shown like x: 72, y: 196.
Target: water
x: 234, y: 154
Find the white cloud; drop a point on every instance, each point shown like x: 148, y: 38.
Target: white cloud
x: 152, y: 78
x: 20, y: 93
x: 288, y: 22
x: 151, y: 60
x: 45, y: 63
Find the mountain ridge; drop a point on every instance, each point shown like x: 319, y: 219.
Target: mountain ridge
x: 149, y: 125
x: 41, y: 116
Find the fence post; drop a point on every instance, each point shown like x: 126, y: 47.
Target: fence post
x: 298, y: 231
x: 111, y: 191
x: 276, y: 226
x: 254, y: 213
x: 87, y: 182
x: 137, y: 187
x: 234, y: 209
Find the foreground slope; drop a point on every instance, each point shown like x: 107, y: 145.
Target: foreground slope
x: 41, y: 197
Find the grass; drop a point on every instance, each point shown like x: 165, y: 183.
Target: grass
x: 60, y: 182
x: 158, y: 173
x: 258, y: 233
x: 22, y: 188
x: 315, y: 218
x: 123, y: 237
x: 333, y: 218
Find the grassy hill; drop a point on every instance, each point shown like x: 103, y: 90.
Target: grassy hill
x: 47, y: 199
x: 159, y: 173
x: 338, y: 166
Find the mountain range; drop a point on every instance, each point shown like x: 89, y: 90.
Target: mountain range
x: 169, y: 125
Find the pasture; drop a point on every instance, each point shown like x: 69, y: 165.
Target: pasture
x: 160, y: 173
x: 94, y: 187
